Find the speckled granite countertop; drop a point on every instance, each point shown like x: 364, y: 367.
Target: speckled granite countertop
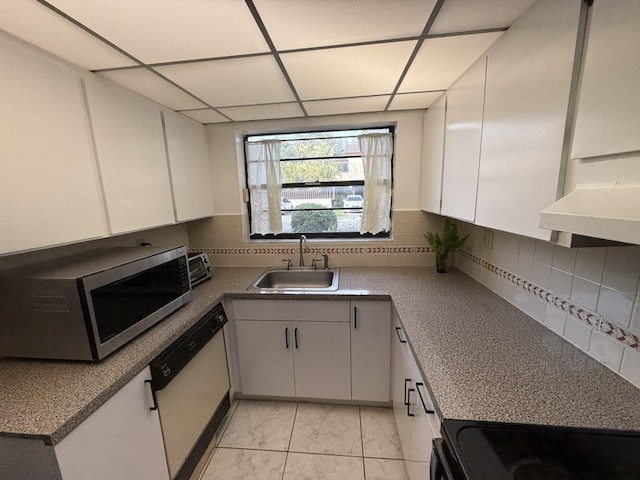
x: 482, y: 357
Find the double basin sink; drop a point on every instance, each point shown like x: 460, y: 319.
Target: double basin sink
x: 296, y: 279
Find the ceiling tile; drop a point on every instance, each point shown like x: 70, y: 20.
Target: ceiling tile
x: 261, y: 112
x: 239, y: 81
x: 349, y: 71
x: 310, y: 23
x: 34, y: 23
x: 347, y: 105
x: 467, y: 15
x: 411, y: 101
x: 168, y: 30
x: 440, y: 61
x: 152, y: 86
x: 205, y: 115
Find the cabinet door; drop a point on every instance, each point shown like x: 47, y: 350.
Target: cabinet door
x: 321, y: 360
x: 49, y: 192
x: 122, y: 439
x: 608, y: 115
x: 432, y: 154
x: 465, y: 105
x: 529, y: 78
x: 189, y: 166
x: 400, y: 384
x: 265, y: 353
x: 370, y: 350
x: 127, y: 130
x: 421, y: 430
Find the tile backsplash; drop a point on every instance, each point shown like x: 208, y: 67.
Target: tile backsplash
x: 226, y: 240
x: 589, y: 296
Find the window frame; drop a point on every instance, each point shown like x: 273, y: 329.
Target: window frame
x: 340, y: 183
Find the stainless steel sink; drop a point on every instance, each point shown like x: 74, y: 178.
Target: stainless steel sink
x: 296, y: 279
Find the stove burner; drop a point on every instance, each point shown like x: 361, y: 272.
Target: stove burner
x: 534, y: 470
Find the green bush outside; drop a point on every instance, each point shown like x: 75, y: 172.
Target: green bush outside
x: 315, y: 221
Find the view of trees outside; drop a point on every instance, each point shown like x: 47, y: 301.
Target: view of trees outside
x: 325, y: 147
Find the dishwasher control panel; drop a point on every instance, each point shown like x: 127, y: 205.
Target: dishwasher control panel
x: 174, y: 358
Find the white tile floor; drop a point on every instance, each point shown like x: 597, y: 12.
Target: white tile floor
x: 265, y: 440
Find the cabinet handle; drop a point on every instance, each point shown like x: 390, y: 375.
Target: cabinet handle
x: 286, y: 337
x: 295, y: 336
x: 426, y: 410
x: 409, y: 402
x: 355, y: 318
x: 398, y: 333
x: 406, y: 397
x: 153, y: 395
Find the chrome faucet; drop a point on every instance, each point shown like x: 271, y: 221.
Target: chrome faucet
x: 303, y: 238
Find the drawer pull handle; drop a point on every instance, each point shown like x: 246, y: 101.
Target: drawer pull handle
x: 409, y: 414
x: 153, y: 395
x: 426, y: 410
x: 406, y: 397
x: 295, y: 336
x: 286, y: 337
x: 355, y: 318
x: 399, y: 337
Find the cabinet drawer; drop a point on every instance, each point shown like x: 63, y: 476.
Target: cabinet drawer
x: 292, y: 310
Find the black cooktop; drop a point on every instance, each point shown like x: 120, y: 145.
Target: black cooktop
x: 504, y: 451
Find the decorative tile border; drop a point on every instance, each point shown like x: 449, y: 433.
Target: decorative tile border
x: 296, y: 250
x: 592, y: 319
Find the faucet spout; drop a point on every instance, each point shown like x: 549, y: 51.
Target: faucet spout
x: 303, y: 239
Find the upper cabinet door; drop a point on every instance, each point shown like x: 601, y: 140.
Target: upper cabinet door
x: 127, y: 129
x: 189, y: 167
x: 465, y: 104
x: 608, y: 116
x: 432, y: 152
x: 48, y: 188
x: 529, y: 79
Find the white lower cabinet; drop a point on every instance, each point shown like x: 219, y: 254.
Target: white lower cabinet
x: 335, y: 350
x: 120, y: 440
x: 413, y: 408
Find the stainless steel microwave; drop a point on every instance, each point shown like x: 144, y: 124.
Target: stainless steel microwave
x: 85, y: 307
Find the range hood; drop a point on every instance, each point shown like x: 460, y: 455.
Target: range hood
x: 609, y: 212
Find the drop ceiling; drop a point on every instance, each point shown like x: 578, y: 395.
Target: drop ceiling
x: 236, y: 60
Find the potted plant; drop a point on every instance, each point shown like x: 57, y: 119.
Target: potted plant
x: 443, y: 245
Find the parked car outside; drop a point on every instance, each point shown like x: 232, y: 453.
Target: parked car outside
x: 353, y: 201
x: 285, y: 204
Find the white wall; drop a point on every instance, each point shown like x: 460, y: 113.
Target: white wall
x: 225, y: 151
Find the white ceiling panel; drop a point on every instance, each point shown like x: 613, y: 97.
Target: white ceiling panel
x: 411, y: 101
x: 235, y: 82
x: 467, y: 15
x: 349, y: 71
x: 40, y: 26
x: 347, y: 105
x: 152, y: 86
x: 262, y: 112
x: 206, y: 115
x: 313, y: 23
x: 168, y: 30
x: 440, y: 61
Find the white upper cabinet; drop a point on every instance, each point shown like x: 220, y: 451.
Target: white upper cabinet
x: 432, y: 152
x: 608, y: 115
x: 465, y: 104
x: 48, y: 185
x: 189, y: 167
x: 528, y: 86
x: 132, y: 160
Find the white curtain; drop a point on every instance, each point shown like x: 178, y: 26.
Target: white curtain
x: 265, y: 186
x: 376, y: 150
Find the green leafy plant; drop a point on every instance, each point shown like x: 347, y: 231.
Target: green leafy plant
x: 449, y: 242
x: 313, y: 221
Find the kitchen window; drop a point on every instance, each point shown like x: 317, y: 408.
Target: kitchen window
x: 323, y: 184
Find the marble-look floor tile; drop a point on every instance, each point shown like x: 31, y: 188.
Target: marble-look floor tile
x: 379, y: 433
x: 236, y: 464
x: 329, y: 429
x: 301, y: 466
x: 225, y: 422
x: 259, y: 424
x: 379, y: 469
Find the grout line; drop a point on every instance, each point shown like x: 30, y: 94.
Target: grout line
x: 364, y: 468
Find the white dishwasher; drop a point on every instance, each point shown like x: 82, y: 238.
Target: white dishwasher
x: 190, y: 382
